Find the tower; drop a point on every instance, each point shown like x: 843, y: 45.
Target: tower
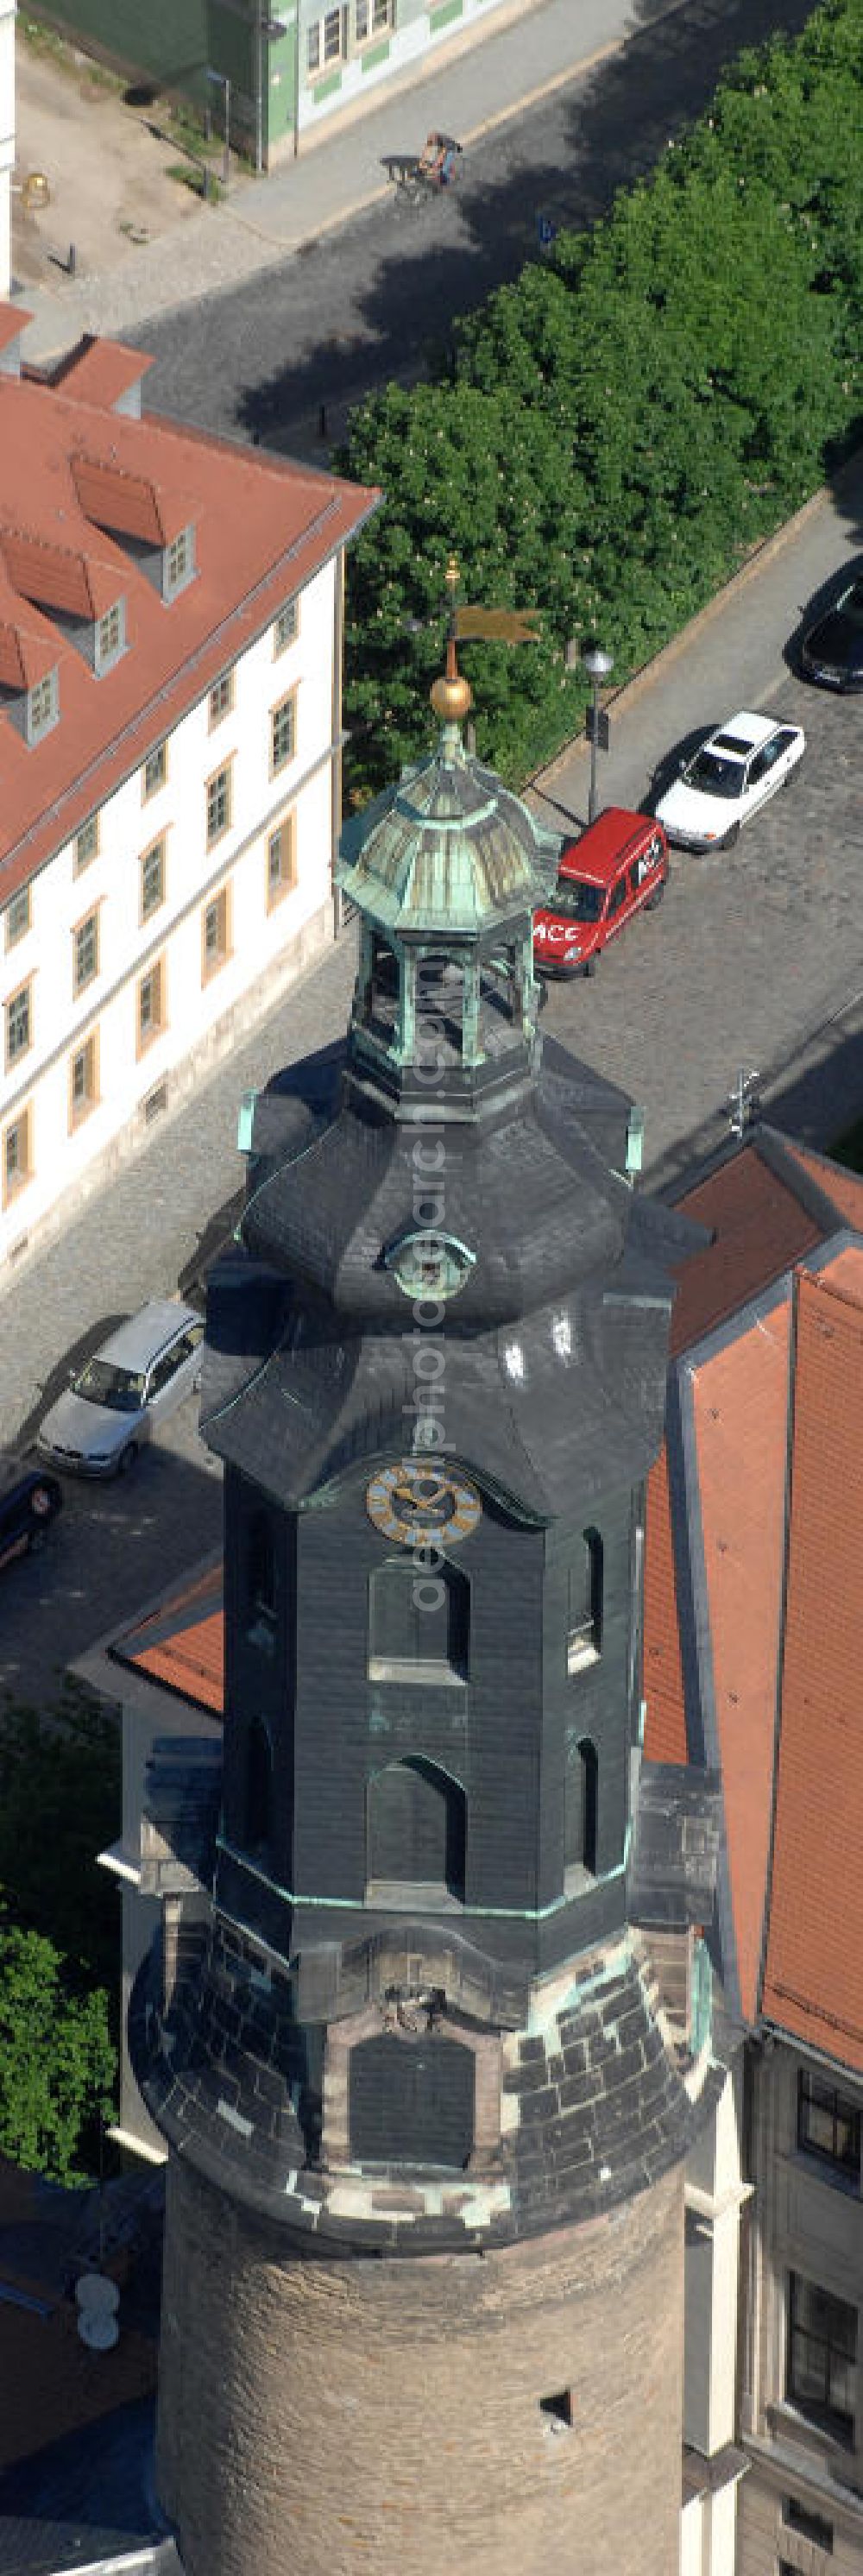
x: 423, y: 2278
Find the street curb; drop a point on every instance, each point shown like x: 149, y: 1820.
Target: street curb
x: 653, y: 673
x: 278, y: 247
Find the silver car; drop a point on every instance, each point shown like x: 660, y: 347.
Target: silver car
x: 138, y: 1377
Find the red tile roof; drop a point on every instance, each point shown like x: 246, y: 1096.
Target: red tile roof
x: 844, y: 1189
x: 665, y: 1727
x: 182, y: 1644
x: 786, y: 1739
x: 813, y: 1982
x: 75, y: 479
x: 99, y: 371
x: 740, y: 1415
x: 759, y: 1227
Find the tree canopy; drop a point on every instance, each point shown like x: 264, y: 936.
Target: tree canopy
x: 613, y: 432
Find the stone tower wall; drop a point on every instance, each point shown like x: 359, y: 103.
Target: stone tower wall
x: 383, y: 2416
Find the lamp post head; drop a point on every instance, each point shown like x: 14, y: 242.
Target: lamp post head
x: 597, y: 662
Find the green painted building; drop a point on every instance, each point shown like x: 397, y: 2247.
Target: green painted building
x: 290, y: 65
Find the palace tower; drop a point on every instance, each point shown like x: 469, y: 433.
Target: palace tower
x: 424, y: 2252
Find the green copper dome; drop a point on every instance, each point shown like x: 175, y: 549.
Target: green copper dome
x: 447, y: 850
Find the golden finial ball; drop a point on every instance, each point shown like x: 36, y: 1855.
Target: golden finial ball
x: 451, y: 699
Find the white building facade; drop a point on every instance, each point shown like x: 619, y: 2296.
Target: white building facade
x: 140, y: 945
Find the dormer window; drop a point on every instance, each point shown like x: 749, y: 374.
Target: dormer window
x: 110, y: 637
x: 179, y: 562
x: 43, y: 706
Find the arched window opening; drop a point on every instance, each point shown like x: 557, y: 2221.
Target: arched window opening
x: 383, y: 991
x: 581, y: 1813
x: 259, y: 1788
x: 584, y: 1623
x: 418, y: 1624
x: 415, y: 1836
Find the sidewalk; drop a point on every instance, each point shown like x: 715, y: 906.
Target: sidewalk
x: 466, y: 91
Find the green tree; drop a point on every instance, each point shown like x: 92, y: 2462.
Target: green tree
x: 57, y: 2061
x: 624, y: 422
x: 59, y: 1806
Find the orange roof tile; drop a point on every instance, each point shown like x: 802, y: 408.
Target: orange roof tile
x: 182, y: 1644
x: 665, y: 1720
x: 760, y: 1228
x: 100, y: 371
x: 263, y: 527
x: 739, y: 1398
x: 844, y: 1189
x: 813, y: 1981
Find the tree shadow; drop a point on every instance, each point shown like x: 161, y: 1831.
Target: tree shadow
x: 387, y: 289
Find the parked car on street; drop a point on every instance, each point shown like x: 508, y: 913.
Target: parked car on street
x: 832, y: 649
x: 730, y: 776
x: 139, y: 1377
x: 618, y: 867
x: 29, y: 1502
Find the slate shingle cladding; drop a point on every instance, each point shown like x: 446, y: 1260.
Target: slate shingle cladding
x: 594, y: 2110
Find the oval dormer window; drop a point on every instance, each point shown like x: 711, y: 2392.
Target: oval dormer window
x: 430, y: 1264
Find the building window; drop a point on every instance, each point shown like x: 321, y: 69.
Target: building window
x: 811, y: 2526
x: 418, y: 1629
x: 152, y: 879
x: 215, y: 934
x: 325, y: 40
x: 221, y: 698
x: 19, y: 1025
x: 85, y: 942
x: 86, y: 845
x: 584, y: 1621
x: 43, y: 707
x: 151, y: 1005
x: 18, y: 917
x: 179, y: 562
x: 822, y: 2357
x: 280, y: 862
x: 372, y: 18
x: 155, y: 770
x: 828, y: 2125
x: 17, y: 1155
x: 283, y: 733
x: 286, y: 627
x: 110, y: 636
x: 83, y: 1080
x: 218, y: 805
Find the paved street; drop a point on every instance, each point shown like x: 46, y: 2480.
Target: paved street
x: 361, y: 305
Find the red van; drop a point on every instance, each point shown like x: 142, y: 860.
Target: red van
x: 618, y: 867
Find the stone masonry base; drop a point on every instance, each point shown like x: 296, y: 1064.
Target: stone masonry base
x: 386, y: 2415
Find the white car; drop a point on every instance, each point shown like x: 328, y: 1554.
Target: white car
x: 730, y: 776
x: 137, y: 1378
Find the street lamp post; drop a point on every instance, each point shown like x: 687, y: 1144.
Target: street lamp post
x: 597, y: 664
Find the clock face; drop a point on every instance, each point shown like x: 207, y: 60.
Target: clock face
x: 418, y: 1506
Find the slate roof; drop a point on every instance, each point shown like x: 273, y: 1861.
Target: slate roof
x: 568, y: 1307
x: 597, y: 2108
x: 753, y: 1625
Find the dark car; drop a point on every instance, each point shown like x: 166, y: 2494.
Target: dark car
x: 832, y: 650
x: 29, y: 1502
